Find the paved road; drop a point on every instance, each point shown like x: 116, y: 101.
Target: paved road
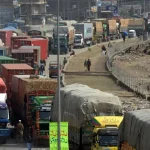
x: 11, y: 145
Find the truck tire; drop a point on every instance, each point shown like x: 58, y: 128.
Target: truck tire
x: 3, y: 141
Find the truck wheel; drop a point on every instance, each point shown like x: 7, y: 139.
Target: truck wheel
x: 83, y: 46
x: 3, y: 141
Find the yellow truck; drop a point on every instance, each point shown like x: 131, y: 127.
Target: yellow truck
x: 134, y: 131
x: 105, y: 133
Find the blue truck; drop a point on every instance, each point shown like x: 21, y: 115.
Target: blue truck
x: 5, y: 127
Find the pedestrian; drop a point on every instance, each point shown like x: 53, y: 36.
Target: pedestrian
x: 72, y: 53
x: 88, y: 64
x: 41, y: 69
x: 36, y: 69
x: 124, y: 37
x: 64, y: 61
x: 29, y: 137
x: 85, y: 64
x: 19, y: 132
x: 104, y: 49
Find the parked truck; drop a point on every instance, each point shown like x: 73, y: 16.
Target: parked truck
x: 137, y: 24
x: 97, y: 31
x: 66, y: 37
x: 134, y: 131
x: 123, y: 25
x: 110, y: 29
x: 83, y: 35
x: 4, y: 114
x: 79, y: 105
x: 32, y: 98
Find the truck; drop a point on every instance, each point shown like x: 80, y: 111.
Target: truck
x: 31, y: 102
x: 123, y: 25
x: 67, y: 22
x: 110, y: 28
x: 79, y: 105
x: 105, y: 132
x: 97, y: 31
x: 137, y: 24
x: 134, y: 130
x: 4, y: 114
x: 66, y: 37
x: 83, y: 35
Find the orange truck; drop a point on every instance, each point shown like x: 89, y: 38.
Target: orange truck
x: 134, y: 131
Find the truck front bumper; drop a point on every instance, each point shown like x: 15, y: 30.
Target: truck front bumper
x: 4, y: 133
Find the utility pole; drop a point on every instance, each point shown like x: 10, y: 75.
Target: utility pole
x: 144, y: 8
x: 58, y: 79
x: 31, y: 12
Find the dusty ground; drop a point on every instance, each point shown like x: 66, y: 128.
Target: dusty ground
x: 104, y: 83
x: 135, y: 65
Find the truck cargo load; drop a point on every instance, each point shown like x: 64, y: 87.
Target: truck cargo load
x: 85, y: 28
x: 124, y: 25
x: 22, y: 85
x: 112, y: 26
x: 137, y: 24
x: 79, y: 105
x: 134, y: 130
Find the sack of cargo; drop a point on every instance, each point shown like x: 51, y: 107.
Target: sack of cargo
x: 80, y: 103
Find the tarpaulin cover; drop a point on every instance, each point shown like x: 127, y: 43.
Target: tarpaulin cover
x: 135, y: 129
x: 80, y: 103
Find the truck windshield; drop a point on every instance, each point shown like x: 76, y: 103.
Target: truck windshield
x: 44, y: 115
x: 3, y: 114
x: 78, y: 37
x: 108, y: 140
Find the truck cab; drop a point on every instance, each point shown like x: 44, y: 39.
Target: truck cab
x: 4, y: 119
x: 79, y: 40
x: 41, y: 108
x: 105, y: 132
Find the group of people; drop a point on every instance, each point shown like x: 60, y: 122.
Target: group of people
x: 39, y: 70
x: 24, y: 134
x: 87, y: 64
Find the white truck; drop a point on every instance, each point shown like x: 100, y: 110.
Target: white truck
x: 83, y: 34
x: 79, y: 105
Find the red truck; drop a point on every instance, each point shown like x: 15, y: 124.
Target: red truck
x: 5, y: 36
x: 32, y: 98
x: 13, y: 39
x: 43, y: 43
x: 8, y: 70
x: 27, y: 54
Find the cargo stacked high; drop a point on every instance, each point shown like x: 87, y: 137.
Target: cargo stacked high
x: 31, y: 102
x: 137, y: 24
x: 93, y: 116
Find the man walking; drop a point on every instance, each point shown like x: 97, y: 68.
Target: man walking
x: 19, y: 132
x: 64, y: 61
x: 41, y: 69
x: 88, y: 64
x: 29, y: 137
x: 85, y: 64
